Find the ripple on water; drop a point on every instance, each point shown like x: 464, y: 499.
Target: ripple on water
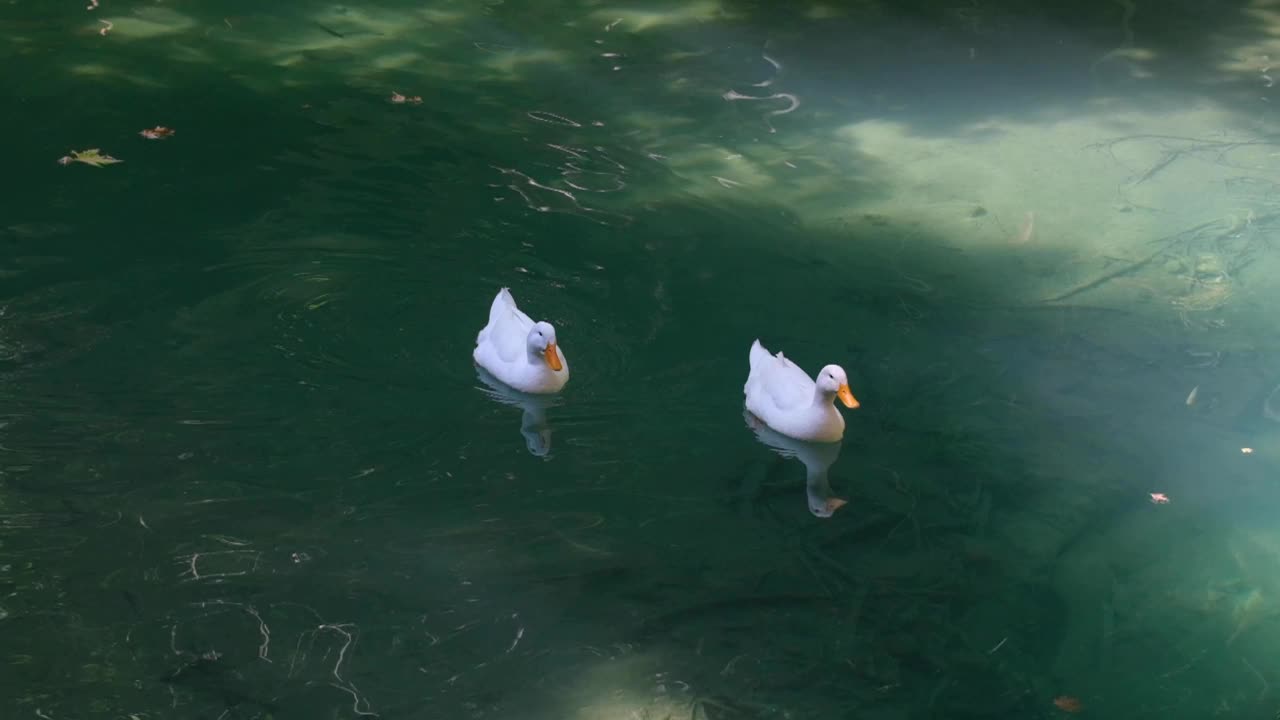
x: 572, y: 170
x: 302, y: 298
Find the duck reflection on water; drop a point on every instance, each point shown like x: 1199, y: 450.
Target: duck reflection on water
x: 817, y: 458
x: 533, y: 422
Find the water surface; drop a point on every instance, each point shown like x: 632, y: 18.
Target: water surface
x: 250, y: 471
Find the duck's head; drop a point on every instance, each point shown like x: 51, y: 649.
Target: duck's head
x: 542, y: 344
x: 833, y: 381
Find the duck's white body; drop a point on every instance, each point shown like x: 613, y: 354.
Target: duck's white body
x: 519, y: 352
x: 786, y: 399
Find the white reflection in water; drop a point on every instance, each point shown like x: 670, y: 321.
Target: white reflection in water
x: 793, y: 101
x: 817, y: 458
x: 533, y: 423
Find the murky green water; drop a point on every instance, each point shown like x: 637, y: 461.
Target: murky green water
x: 250, y: 471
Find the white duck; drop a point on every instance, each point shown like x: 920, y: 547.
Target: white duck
x: 518, y: 351
x: 783, y: 397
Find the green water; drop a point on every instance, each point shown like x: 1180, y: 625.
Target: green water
x: 249, y: 469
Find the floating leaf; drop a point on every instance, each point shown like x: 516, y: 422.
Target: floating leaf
x: 92, y: 156
x: 158, y: 132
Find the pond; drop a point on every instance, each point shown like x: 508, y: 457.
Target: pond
x: 251, y: 470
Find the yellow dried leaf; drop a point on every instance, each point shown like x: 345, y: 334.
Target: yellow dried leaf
x: 92, y: 156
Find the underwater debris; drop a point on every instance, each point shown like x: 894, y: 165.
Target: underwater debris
x: 398, y: 99
x: 1067, y: 703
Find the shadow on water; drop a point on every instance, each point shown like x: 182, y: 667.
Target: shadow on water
x: 344, y: 513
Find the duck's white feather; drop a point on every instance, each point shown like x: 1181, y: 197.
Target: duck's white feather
x: 784, y: 397
x: 782, y: 380
x: 508, y: 328
x: 502, y: 348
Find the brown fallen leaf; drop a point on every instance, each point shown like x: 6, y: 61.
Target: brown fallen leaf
x: 1068, y: 703
x: 92, y: 156
x: 158, y: 132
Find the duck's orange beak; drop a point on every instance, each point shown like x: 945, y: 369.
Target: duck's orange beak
x: 553, y: 358
x: 846, y: 397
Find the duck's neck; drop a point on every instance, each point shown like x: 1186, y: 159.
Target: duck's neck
x: 821, y: 398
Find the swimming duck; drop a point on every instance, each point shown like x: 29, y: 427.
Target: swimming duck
x: 518, y: 351
x: 783, y: 397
